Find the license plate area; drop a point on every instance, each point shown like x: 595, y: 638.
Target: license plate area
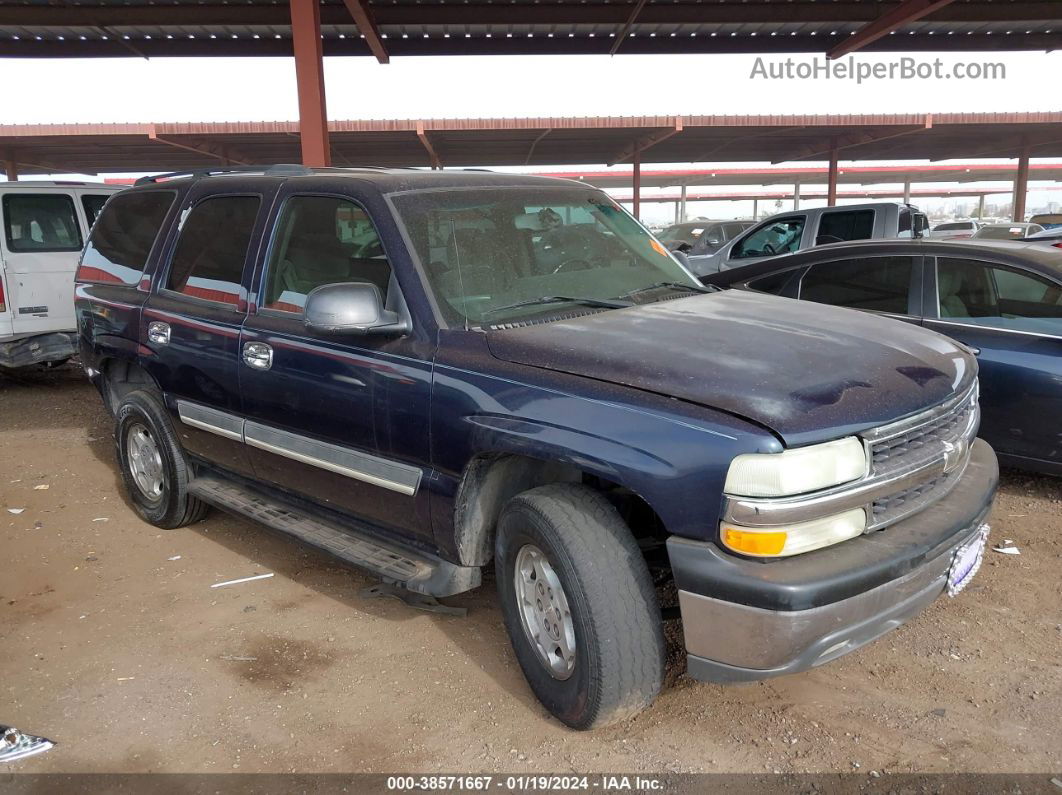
x: 967, y: 561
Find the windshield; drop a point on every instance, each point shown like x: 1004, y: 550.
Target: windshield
x: 488, y: 248
x: 683, y: 232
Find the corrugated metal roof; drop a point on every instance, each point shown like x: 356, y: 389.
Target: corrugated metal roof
x: 101, y: 28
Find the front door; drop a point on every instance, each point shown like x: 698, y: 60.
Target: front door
x: 341, y: 420
x: 190, y: 325
x: 1012, y: 318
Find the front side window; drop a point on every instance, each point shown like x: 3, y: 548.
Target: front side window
x: 321, y: 240
x: 485, y: 249
x: 93, y: 203
x: 775, y: 237
x: 208, y: 260
x: 836, y: 227
x: 982, y: 294
x: 878, y: 284
x: 39, y: 222
x: 120, y: 243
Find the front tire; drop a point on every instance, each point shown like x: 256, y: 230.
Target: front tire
x: 152, y: 462
x: 579, y: 605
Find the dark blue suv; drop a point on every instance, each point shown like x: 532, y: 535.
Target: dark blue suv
x: 429, y: 372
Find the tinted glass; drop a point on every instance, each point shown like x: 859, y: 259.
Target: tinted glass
x: 321, y: 240
x: 212, y: 248
x: 733, y: 230
x: 1001, y: 232
x: 990, y: 295
x: 93, y: 203
x: 40, y: 222
x: 683, y: 232
x: 486, y: 249
x: 846, y: 225
x: 774, y: 283
x: 776, y: 237
x: 120, y: 243
x: 880, y: 284
x: 964, y: 226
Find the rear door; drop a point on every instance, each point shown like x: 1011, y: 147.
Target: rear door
x: 42, y: 238
x: 887, y: 284
x: 190, y: 326
x: 1012, y: 318
x: 341, y: 420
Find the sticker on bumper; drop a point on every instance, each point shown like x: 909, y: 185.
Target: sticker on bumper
x: 967, y: 561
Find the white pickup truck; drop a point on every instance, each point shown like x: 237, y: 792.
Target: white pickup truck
x: 44, y: 227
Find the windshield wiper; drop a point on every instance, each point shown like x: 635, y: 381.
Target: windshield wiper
x: 605, y: 303
x: 674, y: 286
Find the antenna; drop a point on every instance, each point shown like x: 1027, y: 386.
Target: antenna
x: 460, y: 275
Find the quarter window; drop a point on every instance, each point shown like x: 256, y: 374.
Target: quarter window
x: 322, y: 240
x: 120, y: 243
x: 40, y: 222
x: 991, y: 295
x: 211, y: 251
x: 878, y: 284
x: 836, y: 227
x: 93, y: 203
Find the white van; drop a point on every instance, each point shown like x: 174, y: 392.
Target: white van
x: 45, y: 225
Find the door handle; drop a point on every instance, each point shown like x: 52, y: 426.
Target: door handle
x: 257, y: 355
x: 159, y: 332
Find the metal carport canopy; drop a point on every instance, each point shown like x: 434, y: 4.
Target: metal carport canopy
x: 101, y: 28
x: 103, y: 148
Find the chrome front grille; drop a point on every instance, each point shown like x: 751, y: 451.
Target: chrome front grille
x: 937, y: 442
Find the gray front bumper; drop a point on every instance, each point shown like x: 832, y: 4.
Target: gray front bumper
x: 728, y: 642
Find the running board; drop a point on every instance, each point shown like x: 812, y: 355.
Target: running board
x: 417, y: 571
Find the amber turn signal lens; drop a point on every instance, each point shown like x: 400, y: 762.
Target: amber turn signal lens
x: 754, y: 542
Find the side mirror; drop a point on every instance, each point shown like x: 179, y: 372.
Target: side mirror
x: 350, y: 308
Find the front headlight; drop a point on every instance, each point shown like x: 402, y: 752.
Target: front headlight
x: 780, y: 542
x: 797, y: 471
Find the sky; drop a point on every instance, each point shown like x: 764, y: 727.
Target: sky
x: 251, y: 89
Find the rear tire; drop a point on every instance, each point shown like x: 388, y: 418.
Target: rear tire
x: 592, y: 650
x: 152, y: 462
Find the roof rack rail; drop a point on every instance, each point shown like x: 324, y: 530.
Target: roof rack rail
x: 280, y: 169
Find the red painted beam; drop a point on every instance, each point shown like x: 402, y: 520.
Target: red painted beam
x: 309, y: 77
x: 906, y: 12
x: 366, y: 22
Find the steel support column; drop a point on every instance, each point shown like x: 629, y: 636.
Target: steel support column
x: 796, y: 196
x: 755, y: 209
x: 831, y: 187
x: 1021, y: 184
x: 981, y: 207
x: 637, y: 183
x: 682, y: 204
x: 907, y: 191
x: 309, y: 76
x: 11, y: 169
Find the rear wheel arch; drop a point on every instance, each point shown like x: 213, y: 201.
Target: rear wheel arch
x: 121, y: 377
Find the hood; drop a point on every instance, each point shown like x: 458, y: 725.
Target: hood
x: 808, y: 372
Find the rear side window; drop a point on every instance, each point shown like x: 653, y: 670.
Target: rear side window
x: 836, y: 227
x: 979, y: 293
x: 210, y: 254
x: 322, y: 240
x: 879, y: 284
x: 93, y: 203
x: 40, y: 222
x: 120, y: 243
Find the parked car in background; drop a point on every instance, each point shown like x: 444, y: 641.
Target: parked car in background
x: 695, y: 238
x: 786, y: 233
x: 1046, y: 237
x: 428, y: 373
x: 1009, y: 231
x: 45, y: 224
x: 1047, y: 220
x: 1003, y: 300
x: 951, y: 230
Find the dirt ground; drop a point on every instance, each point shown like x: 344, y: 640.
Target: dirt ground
x: 116, y: 647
